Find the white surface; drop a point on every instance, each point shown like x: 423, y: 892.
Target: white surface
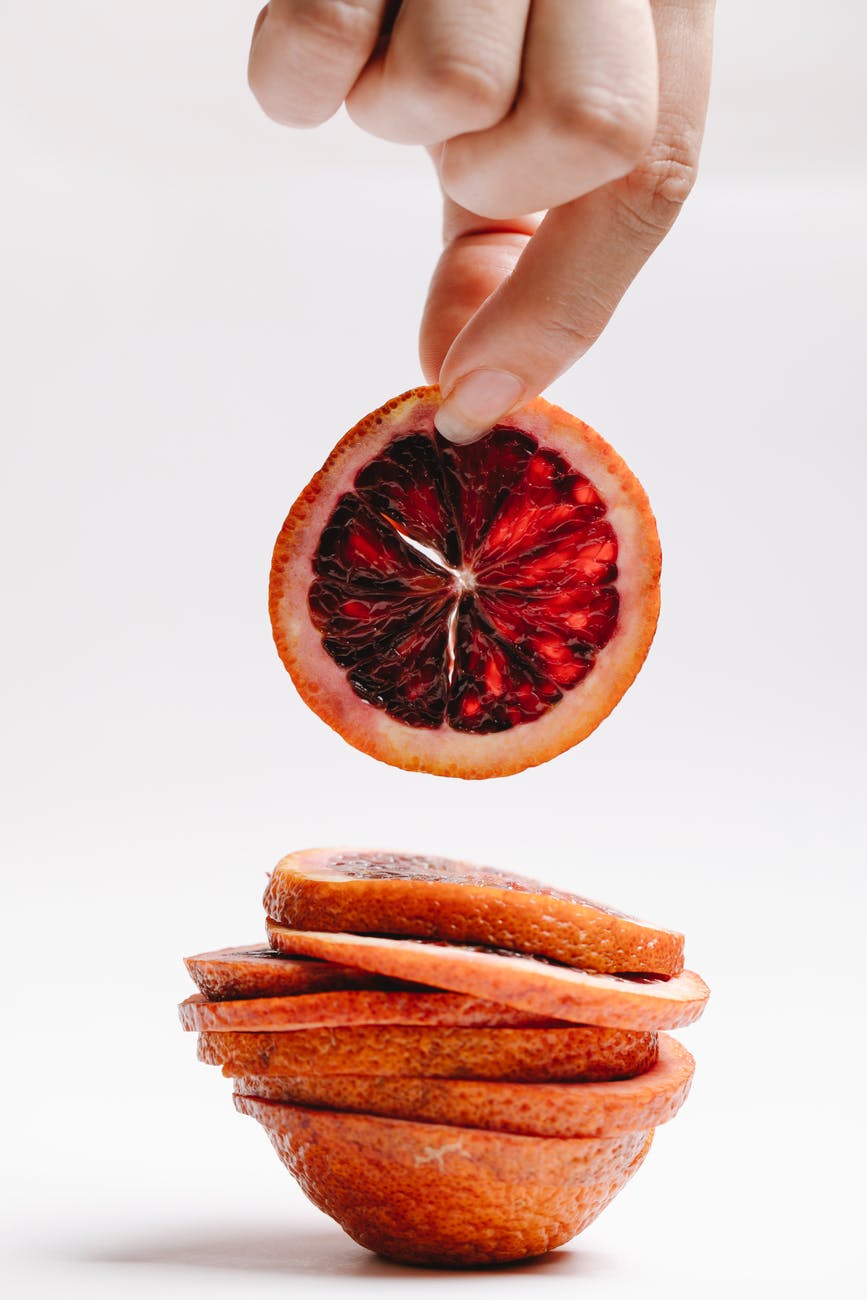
x: 195, y: 306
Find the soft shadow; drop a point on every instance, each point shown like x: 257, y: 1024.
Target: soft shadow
x: 313, y: 1253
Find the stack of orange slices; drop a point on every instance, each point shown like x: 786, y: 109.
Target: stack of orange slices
x: 460, y: 1066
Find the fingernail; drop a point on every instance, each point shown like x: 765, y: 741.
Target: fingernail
x: 476, y: 402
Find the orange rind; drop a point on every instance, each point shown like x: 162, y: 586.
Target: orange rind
x: 441, y: 1195
x: 584, y: 997
x: 561, y: 1110
x: 575, y: 1052
x: 374, y: 892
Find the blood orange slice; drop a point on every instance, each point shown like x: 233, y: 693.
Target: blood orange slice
x: 588, y: 997
x: 466, y: 610
x: 409, y: 894
x: 562, y: 1110
x: 253, y: 971
x: 355, y: 1007
x: 437, y: 1194
x: 575, y: 1052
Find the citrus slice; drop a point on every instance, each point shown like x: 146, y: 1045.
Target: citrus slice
x: 441, y: 1195
x: 354, y: 1007
x: 577, y: 1052
x: 408, y: 894
x: 466, y: 610
x: 588, y: 997
x: 254, y: 971
x: 563, y: 1110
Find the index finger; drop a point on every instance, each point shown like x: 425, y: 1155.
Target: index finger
x: 574, y: 270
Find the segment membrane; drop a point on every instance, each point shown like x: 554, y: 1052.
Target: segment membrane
x: 466, y: 586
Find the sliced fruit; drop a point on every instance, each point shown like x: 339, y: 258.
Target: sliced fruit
x: 355, y: 1007
x: 466, y: 610
x: 409, y: 894
x: 255, y: 971
x: 563, y: 1110
x: 441, y: 1195
x: 577, y: 1052
x: 588, y: 997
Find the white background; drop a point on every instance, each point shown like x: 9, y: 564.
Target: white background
x: 195, y: 306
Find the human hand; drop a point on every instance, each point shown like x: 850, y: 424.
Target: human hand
x: 590, y: 109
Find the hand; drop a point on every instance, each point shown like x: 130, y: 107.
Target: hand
x: 591, y: 109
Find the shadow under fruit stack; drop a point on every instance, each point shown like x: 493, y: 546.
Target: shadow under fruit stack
x: 473, y: 1088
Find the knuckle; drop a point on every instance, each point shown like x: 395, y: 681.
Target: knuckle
x: 654, y: 193
x: 615, y: 123
x: 468, y: 88
x: 571, y: 327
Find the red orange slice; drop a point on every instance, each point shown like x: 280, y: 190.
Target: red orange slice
x: 563, y: 1110
x: 446, y: 1052
x: 254, y: 971
x: 354, y: 1007
x: 519, y: 981
x: 468, y: 611
x: 368, y: 891
x: 435, y: 1194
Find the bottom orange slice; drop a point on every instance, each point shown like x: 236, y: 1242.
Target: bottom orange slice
x: 444, y: 1195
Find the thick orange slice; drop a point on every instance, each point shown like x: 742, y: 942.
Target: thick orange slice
x: 371, y: 892
x: 588, y: 997
x: 577, y: 1052
x: 256, y: 972
x: 441, y: 1195
x: 355, y: 1007
x: 563, y: 1110
x: 466, y: 610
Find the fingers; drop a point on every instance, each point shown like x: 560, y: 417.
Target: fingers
x: 585, y: 115
x: 573, y: 272
x: 307, y: 54
x: 449, y: 67
x: 478, y: 255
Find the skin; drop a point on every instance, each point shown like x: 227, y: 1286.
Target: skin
x: 565, y: 135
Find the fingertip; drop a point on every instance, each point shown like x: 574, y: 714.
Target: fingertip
x: 475, y: 403
x: 450, y: 425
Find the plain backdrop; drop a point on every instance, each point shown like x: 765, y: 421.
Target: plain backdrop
x: 195, y: 306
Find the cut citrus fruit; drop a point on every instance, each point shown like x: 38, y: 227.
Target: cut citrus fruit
x: 436, y: 1194
x: 254, y: 971
x: 588, y: 997
x: 355, y: 1007
x: 407, y: 894
x: 466, y: 610
x: 576, y: 1052
x: 562, y: 1110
